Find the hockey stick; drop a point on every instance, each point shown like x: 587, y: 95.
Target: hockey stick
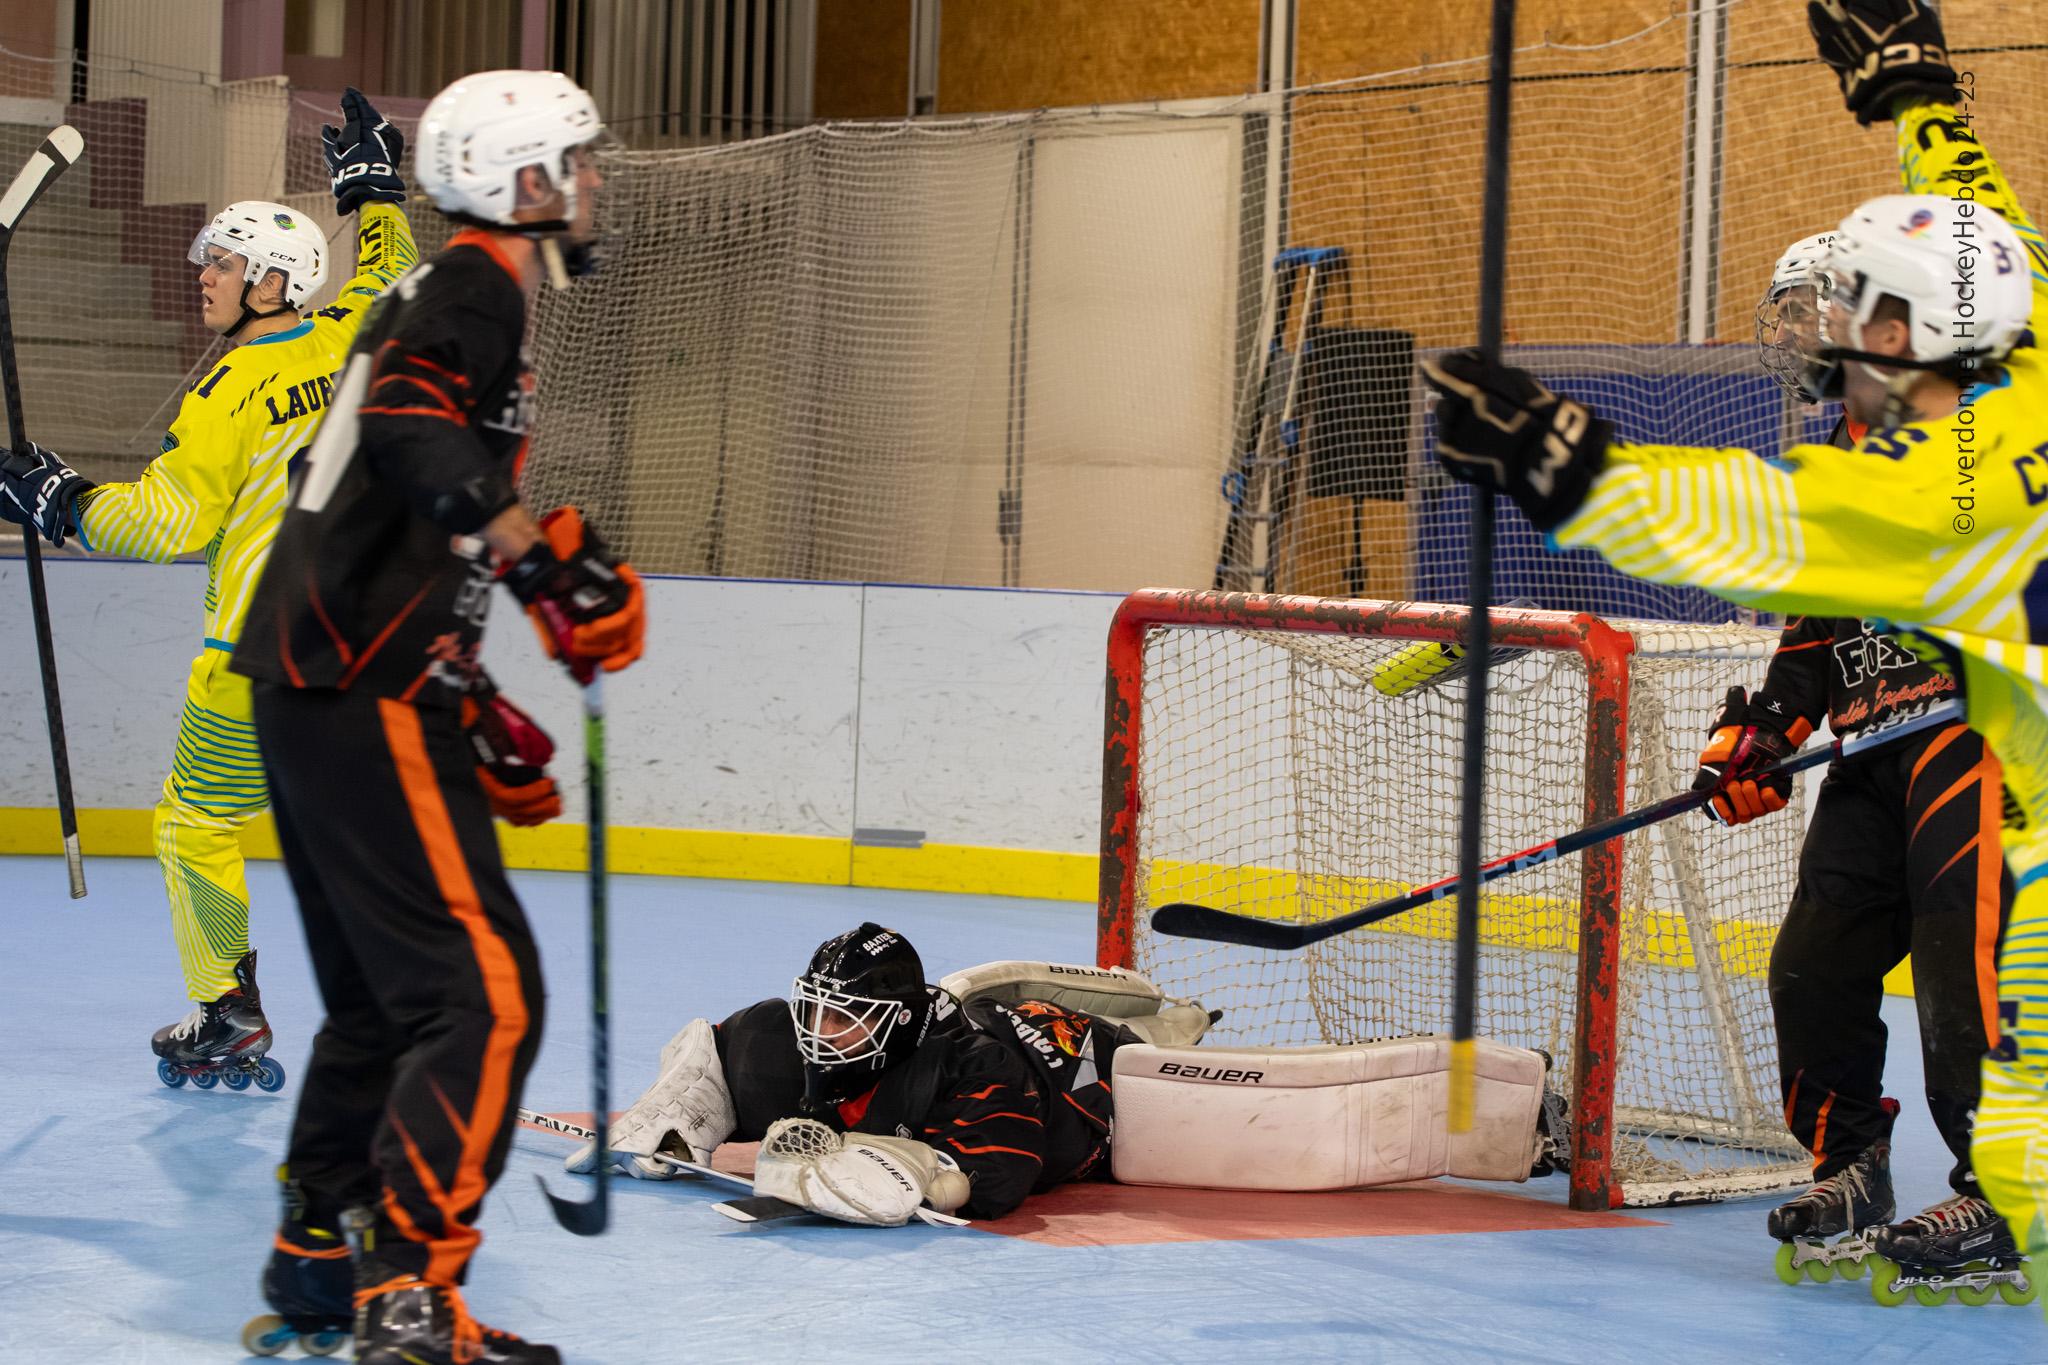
x: 756, y: 1208
x: 1186, y: 920
x: 1493, y: 261
x: 59, y: 150
x: 588, y: 1218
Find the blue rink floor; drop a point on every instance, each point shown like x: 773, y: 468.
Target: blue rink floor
x: 134, y: 1218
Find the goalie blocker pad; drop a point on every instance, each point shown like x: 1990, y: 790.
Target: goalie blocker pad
x: 1105, y: 992
x: 1320, y: 1118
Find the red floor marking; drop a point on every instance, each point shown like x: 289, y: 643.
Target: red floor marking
x: 1099, y: 1214
x: 1123, y: 1215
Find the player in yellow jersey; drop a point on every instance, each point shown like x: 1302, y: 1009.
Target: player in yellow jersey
x: 218, y: 486
x: 1937, y: 522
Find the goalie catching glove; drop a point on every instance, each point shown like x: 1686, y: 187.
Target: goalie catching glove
x: 856, y: 1178
x: 38, y: 489
x: 1498, y: 428
x: 512, y: 754
x: 1753, y: 733
x: 585, y: 602
x: 1882, y: 51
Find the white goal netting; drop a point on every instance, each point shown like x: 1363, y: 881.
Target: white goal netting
x: 1273, y: 778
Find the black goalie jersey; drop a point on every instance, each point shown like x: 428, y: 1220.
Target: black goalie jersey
x: 1018, y: 1095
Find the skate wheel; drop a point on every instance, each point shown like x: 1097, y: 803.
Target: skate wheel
x: 1850, y: 1268
x: 1929, y: 1296
x: 235, y: 1080
x: 266, y: 1335
x: 324, y: 1343
x: 169, y: 1075
x: 1975, y: 1296
x: 206, y: 1080
x: 1820, y: 1272
x: 1782, y: 1263
x: 269, y: 1076
x: 1882, y: 1275
x: 2020, y: 1293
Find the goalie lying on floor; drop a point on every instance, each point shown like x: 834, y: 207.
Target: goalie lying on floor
x: 995, y: 1084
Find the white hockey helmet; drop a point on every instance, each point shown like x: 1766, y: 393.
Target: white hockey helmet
x: 1787, y: 323
x: 268, y: 237
x: 1959, y: 268
x: 479, y: 133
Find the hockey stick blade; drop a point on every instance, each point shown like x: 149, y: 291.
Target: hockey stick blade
x: 1184, y: 920
x: 60, y: 149
x: 766, y: 1208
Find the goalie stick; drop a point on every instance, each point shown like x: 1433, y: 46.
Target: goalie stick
x: 1186, y: 920
x: 756, y: 1208
x: 59, y: 150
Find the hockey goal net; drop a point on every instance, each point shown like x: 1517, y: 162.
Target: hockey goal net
x: 1253, y: 765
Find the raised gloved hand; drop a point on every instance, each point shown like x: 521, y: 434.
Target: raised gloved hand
x: 1500, y: 429
x: 1753, y: 733
x: 512, y: 754
x: 363, y: 155
x: 1880, y: 50
x: 585, y: 602
x: 38, y: 489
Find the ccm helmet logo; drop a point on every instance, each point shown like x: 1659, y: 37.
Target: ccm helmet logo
x: 1212, y: 1073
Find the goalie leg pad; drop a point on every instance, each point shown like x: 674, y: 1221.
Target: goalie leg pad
x: 1128, y: 997
x: 856, y: 1178
x: 1320, y: 1118
x: 689, y: 1101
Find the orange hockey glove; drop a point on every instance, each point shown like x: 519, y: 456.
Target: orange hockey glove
x: 512, y: 754
x: 585, y: 602
x: 1752, y: 734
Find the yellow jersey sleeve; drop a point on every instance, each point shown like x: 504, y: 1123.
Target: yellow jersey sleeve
x: 384, y: 251
x: 1939, y: 154
x: 183, y: 496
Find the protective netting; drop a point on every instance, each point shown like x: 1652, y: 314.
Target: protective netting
x: 1046, y: 350
x: 1275, y: 779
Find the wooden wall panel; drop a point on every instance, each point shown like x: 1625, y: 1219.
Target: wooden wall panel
x: 1393, y: 173
x: 863, y: 59
x: 1339, y: 39
x: 997, y: 55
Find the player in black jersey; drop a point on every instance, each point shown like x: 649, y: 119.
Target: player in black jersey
x: 1903, y: 855
x: 363, y: 640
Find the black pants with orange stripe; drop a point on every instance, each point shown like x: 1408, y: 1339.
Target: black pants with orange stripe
x: 1902, y: 857
x: 427, y: 969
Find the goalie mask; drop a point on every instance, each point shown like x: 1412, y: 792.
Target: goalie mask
x: 1961, y: 272
x: 1788, y: 315
x: 860, y: 1007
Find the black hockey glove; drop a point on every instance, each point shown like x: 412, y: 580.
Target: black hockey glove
x: 586, y: 603
x: 38, y: 489
x: 1498, y: 428
x: 1881, y: 50
x: 363, y: 156
x: 1753, y: 733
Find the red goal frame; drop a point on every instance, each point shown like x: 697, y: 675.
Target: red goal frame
x: 1605, y: 652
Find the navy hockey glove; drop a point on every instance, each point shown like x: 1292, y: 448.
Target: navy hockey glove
x: 1881, y: 50
x: 1498, y: 428
x: 363, y: 156
x: 38, y: 489
x: 1753, y: 733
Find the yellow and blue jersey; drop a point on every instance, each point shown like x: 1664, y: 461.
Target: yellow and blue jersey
x: 218, y: 483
